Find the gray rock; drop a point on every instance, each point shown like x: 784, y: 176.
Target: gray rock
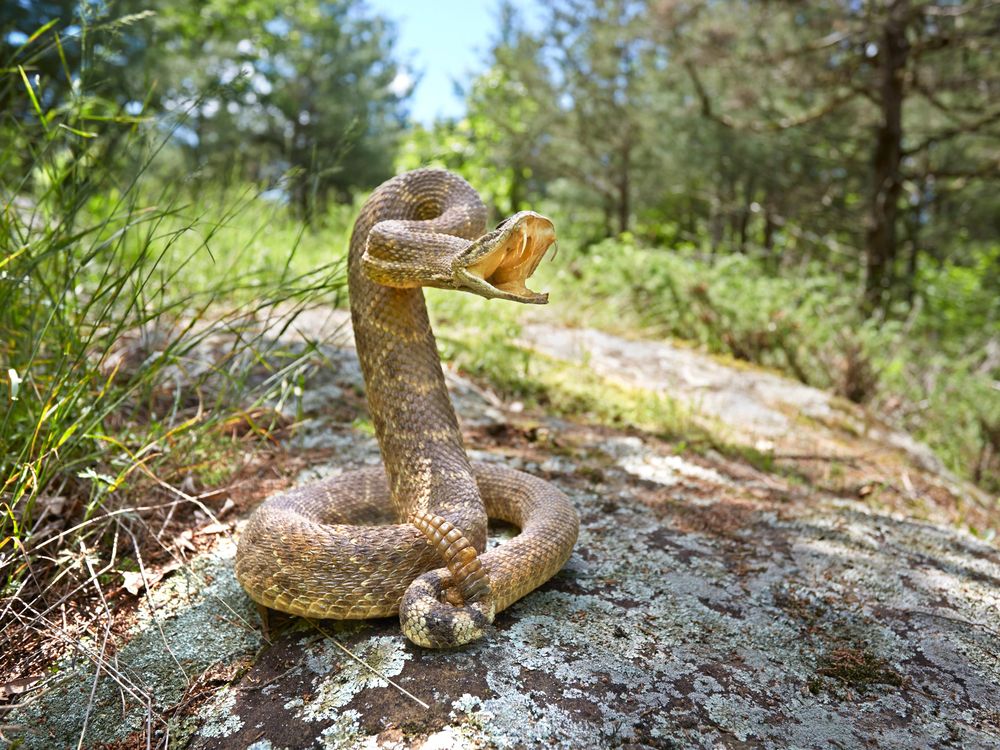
x: 706, y: 605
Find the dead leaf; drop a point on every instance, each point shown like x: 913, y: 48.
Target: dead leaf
x: 18, y: 686
x: 214, y: 528
x: 183, y: 541
x: 133, y: 582
x: 53, y: 505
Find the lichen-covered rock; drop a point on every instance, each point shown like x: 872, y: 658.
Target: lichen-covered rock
x: 707, y: 604
x: 196, y: 621
x: 776, y: 625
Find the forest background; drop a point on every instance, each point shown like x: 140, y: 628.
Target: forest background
x: 807, y: 187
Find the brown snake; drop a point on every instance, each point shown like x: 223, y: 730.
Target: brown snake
x: 372, y: 543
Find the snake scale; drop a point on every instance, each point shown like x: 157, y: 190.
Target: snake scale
x: 411, y: 537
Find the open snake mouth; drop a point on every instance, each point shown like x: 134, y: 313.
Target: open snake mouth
x: 509, y: 255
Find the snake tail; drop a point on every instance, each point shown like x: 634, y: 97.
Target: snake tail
x: 469, y: 580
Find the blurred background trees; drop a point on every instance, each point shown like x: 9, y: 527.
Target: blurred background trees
x: 771, y: 127
x: 253, y: 91
x: 848, y: 146
x: 866, y: 129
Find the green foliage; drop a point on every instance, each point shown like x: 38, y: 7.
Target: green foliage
x: 933, y: 371
x: 733, y: 127
x: 307, y: 92
x: 113, y: 293
x: 300, y: 99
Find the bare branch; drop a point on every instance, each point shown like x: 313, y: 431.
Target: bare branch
x: 784, y: 123
x: 989, y: 170
x: 949, y: 133
x: 944, y: 41
x: 830, y: 40
x: 938, y: 103
x: 956, y: 10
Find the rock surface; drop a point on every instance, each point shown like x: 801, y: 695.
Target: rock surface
x: 707, y: 604
x: 754, y: 405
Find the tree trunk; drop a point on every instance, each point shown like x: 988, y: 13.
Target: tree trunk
x: 911, y: 222
x: 715, y: 224
x: 746, y: 211
x: 880, y: 240
x: 769, y: 228
x: 743, y: 228
x: 515, y: 196
x: 625, y: 187
x: 689, y: 224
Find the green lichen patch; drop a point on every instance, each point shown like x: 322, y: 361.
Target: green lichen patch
x: 858, y: 668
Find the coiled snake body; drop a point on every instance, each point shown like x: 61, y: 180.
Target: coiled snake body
x: 371, y: 543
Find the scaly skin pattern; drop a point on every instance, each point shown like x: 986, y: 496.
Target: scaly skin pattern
x: 371, y: 543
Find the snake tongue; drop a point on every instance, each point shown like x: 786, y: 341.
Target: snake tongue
x: 506, y: 258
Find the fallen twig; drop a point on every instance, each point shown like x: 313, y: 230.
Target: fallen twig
x: 853, y: 460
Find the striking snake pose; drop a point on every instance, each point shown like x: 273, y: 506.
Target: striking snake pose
x: 371, y: 543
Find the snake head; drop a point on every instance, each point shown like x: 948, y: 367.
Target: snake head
x: 497, y: 264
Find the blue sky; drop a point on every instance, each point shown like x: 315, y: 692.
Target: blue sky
x: 442, y: 41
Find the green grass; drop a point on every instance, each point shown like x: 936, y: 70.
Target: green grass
x: 104, y: 346
x: 139, y: 327
x: 928, y: 369
x: 480, y: 338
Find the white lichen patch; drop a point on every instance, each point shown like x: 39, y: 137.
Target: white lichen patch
x: 449, y: 738
x: 344, y: 734
x: 516, y: 720
x: 669, y: 470
x: 635, y: 458
x: 557, y: 465
x: 220, y: 721
x: 385, y: 654
x: 735, y: 715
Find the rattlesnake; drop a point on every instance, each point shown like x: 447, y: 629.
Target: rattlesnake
x: 370, y: 543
